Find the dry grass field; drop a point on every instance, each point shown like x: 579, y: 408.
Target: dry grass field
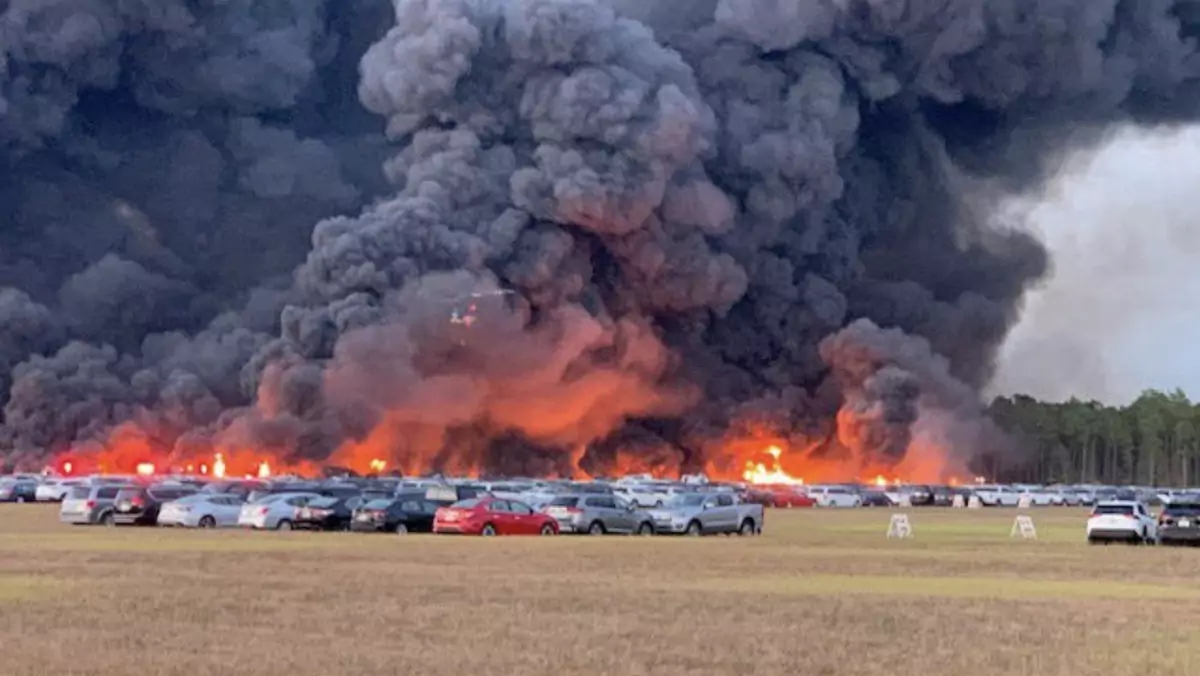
x: 820, y: 593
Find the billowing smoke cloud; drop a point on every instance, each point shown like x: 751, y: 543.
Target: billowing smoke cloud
x: 525, y: 235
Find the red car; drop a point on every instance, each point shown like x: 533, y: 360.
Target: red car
x: 789, y: 496
x: 493, y: 516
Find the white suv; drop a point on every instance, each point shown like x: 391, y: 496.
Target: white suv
x: 1121, y: 520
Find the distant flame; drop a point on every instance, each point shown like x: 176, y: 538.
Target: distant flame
x: 759, y: 473
x: 218, y: 468
x: 880, y: 481
x: 145, y: 468
x: 264, y: 470
x: 67, y: 467
x: 378, y: 465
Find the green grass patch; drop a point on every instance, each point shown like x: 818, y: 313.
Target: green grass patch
x: 24, y: 587
x: 943, y: 587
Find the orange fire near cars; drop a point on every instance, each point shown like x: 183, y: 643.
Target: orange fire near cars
x: 492, y: 516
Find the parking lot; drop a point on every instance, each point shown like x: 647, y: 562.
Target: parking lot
x: 819, y: 589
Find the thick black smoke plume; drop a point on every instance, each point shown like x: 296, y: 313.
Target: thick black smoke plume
x: 690, y: 202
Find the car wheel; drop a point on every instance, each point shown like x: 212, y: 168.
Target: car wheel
x: 596, y: 528
x: 658, y: 504
x: 747, y: 528
x: 20, y: 498
x: 107, y: 519
x: 487, y: 530
x: 693, y: 529
x: 401, y: 529
x: 646, y: 528
x: 547, y: 529
x: 284, y: 524
x: 208, y: 522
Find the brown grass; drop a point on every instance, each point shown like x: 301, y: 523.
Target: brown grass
x: 821, y: 593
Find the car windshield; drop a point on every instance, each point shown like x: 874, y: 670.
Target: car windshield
x: 80, y: 493
x: 266, y: 499
x: 378, y: 504
x: 129, y: 493
x: 1190, y: 509
x: 564, y: 501
x: 465, y: 504
x: 324, y: 502
x: 1112, y: 509
x: 693, y: 500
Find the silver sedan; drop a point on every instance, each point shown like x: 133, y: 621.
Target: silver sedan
x: 202, y: 511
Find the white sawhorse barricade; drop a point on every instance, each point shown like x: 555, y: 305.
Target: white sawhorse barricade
x: 900, y: 527
x: 1023, y: 526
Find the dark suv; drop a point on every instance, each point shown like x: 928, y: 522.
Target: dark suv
x: 1179, y: 522
x: 137, y: 506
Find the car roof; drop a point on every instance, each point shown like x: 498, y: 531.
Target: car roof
x: 1118, y: 503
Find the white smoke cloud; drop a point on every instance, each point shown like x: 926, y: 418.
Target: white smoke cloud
x: 1117, y: 314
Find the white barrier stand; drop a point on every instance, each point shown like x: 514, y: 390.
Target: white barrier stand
x: 974, y: 503
x: 958, y: 501
x: 899, y: 527
x: 905, y: 500
x: 1023, y: 525
x: 1025, y: 501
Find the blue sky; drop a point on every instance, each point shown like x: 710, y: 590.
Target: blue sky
x: 1120, y: 311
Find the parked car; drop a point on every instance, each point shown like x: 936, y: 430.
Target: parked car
x: 328, y: 513
x: 493, y: 516
x: 1121, y: 520
x: 783, y: 496
x: 1179, y: 522
x: 874, y: 497
x: 137, y: 506
x: 598, y: 515
x: 89, y: 504
x: 274, y: 512
x: 241, y: 488
x: 18, y: 490
x: 54, y: 490
x: 202, y: 510
x: 405, y: 514
x: 997, y: 496
x: 701, y: 514
x: 835, y: 496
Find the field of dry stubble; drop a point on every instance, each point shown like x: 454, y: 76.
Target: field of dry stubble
x: 821, y: 592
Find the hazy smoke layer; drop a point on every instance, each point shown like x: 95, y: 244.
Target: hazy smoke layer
x: 684, y: 199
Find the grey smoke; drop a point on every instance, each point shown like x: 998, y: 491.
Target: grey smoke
x: 235, y: 225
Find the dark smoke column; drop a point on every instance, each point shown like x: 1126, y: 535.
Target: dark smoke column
x: 712, y: 214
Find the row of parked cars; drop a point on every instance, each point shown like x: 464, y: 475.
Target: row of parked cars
x: 402, y: 506
x: 1131, y: 521
x: 988, y: 495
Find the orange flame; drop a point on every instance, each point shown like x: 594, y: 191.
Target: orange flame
x: 880, y: 481
x: 264, y: 470
x: 218, y: 468
x: 758, y: 473
x: 378, y: 465
x: 145, y: 468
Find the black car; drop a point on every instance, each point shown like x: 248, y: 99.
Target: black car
x: 22, y: 490
x: 240, y: 488
x: 873, y: 497
x: 137, y: 506
x: 327, y: 513
x: 1179, y: 523
x: 918, y: 496
x: 405, y: 514
x: 943, y: 496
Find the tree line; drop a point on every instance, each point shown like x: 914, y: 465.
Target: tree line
x: 1152, y: 441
